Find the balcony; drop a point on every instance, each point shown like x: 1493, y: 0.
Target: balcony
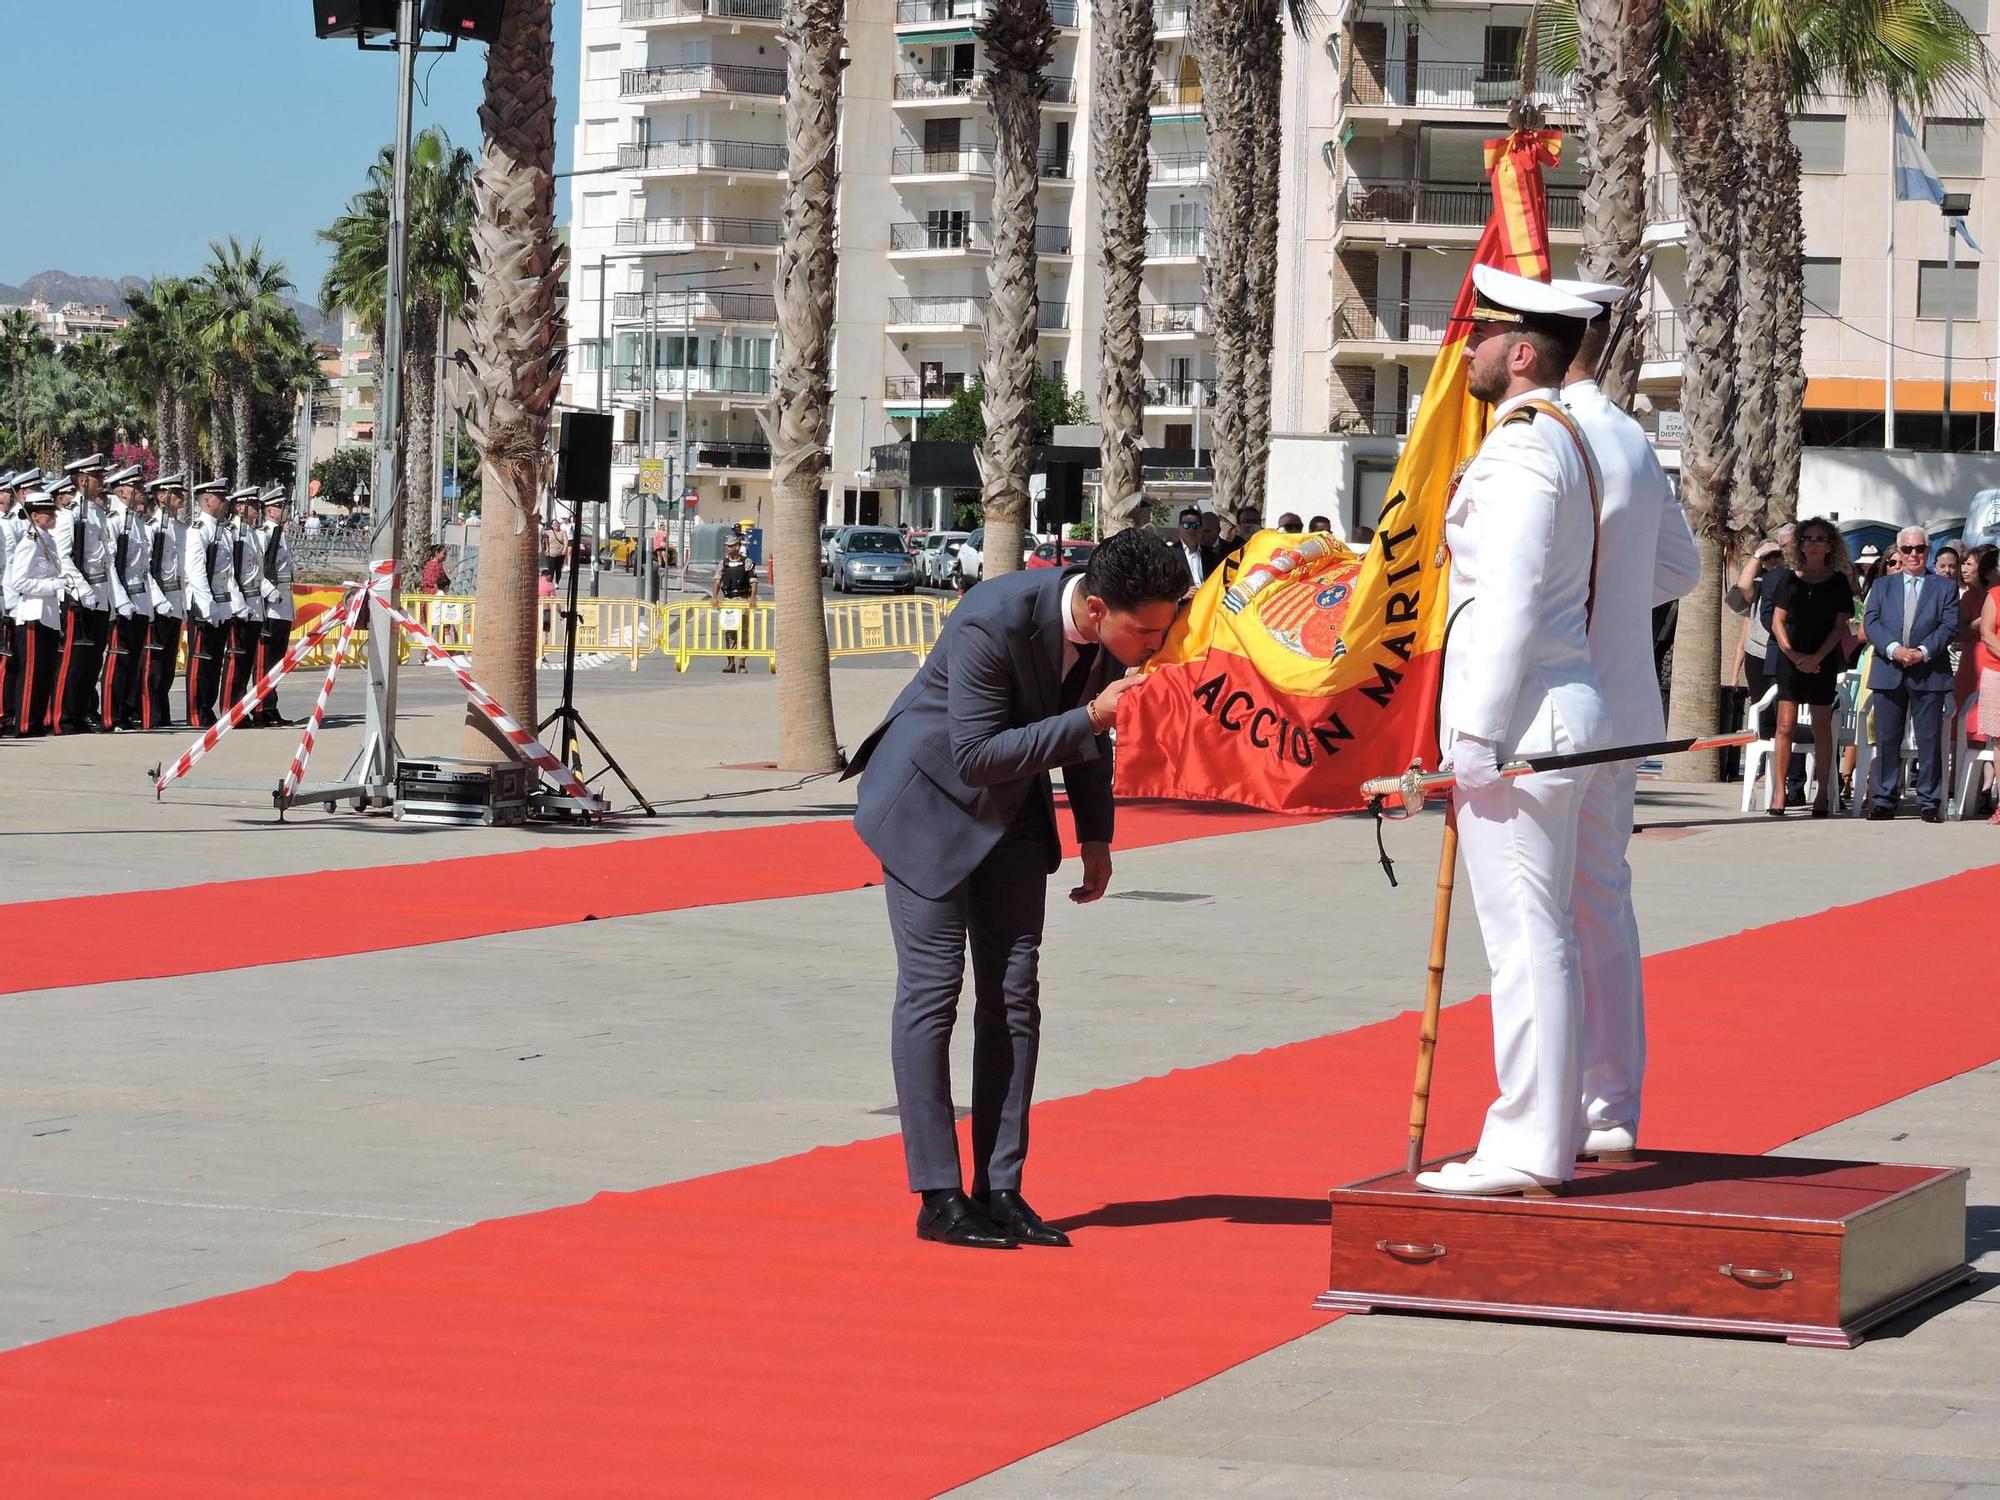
x: 1179, y: 169
x: 1446, y: 204
x: 758, y: 234
x: 702, y: 78
x: 953, y: 236
x: 645, y: 12
x: 627, y: 455
x: 1175, y: 96
x: 1059, y: 89
x: 1051, y: 317
x: 920, y: 88
x: 971, y: 13
x: 1184, y: 394
x: 1173, y: 319
x: 937, y: 314
x: 671, y: 381
x: 953, y: 161
x: 1052, y: 239
x: 1052, y: 166
x: 1358, y: 319
x: 914, y: 390
x: 1455, y: 86
x: 724, y: 455
x: 671, y: 309
x: 702, y: 156
x: 1664, y: 342
x: 1170, y: 17
x: 1366, y: 423
x: 1178, y: 243
x: 1663, y: 198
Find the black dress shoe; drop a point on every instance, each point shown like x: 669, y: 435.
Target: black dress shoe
x: 1933, y: 815
x: 1881, y: 814
x: 954, y: 1219
x: 1010, y: 1211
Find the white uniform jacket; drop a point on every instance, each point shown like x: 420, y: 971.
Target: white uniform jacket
x: 274, y: 552
x: 211, y: 578
x: 13, y: 526
x: 131, y: 551
x: 35, y: 578
x: 90, y: 585
x: 1646, y: 555
x: 166, y: 567
x: 246, y: 549
x: 1517, y: 668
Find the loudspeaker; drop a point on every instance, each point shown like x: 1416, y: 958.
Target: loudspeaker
x: 473, y: 20
x: 583, y: 456
x: 353, y: 17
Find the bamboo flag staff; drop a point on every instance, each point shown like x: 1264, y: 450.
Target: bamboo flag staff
x: 1427, y: 1033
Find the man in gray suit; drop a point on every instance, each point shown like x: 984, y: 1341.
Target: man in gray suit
x: 955, y: 801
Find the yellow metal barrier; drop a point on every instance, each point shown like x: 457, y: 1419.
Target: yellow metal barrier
x: 699, y: 632
x: 604, y: 627
x: 882, y: 627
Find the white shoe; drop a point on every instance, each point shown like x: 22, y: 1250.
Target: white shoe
x: 1609, y: 1143
x: 1479, y: 1178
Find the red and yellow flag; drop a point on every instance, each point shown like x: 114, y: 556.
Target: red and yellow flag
x: 1301, y: 669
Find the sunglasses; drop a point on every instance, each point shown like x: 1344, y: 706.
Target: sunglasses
x: 1190, y: 526
x: 1919, y: 547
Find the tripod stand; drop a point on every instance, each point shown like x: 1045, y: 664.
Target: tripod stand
x: 570, y: 716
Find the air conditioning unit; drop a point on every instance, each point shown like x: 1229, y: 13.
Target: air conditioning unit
x: 735, y: 492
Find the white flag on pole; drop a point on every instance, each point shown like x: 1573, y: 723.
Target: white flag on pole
x: 1916, y: 179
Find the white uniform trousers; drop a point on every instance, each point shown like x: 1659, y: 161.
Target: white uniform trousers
x: 1518, y: 840
x: 1607, y: 941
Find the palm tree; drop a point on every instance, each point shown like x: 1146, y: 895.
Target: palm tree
x: 797, y: 419
x: 1019, y: 36
x: 21, y: 342
x: 518, y: 335
x: 1120, y: 129
x: 248, y: 316
x: 436, y: 286
x: 143, y: 361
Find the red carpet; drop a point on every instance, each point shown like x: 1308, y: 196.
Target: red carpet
x: 778, y: 1331
x: 145, y: 934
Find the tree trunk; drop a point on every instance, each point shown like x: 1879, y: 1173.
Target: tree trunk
x: 423, y: 329
x: 517, y: 338
x: 1266, y: 79
x: 184, y: 435
x: 163, y: 426
x: 1121, y: 127
x: 218, y: 428
x: 1617, y: 43
x: 1711, y: 186
x: 797, y: 420
x: 1770, y: 371
x: 241, y: 395
x: 1019, y: 35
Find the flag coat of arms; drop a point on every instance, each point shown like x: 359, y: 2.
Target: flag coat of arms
x: 1301, y: 668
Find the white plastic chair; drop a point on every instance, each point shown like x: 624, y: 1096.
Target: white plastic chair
x: 1864, y: 758
x: 1758, y: 754
x: 1965, y: 772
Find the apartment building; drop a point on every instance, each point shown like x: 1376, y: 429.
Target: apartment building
x: 360, y: 366
x: 676, y: 211
x: 1420, y: 88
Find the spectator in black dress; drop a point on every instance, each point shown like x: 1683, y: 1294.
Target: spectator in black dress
x: 1812, y: 623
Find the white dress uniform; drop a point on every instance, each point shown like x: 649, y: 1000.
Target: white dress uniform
x: 36, y: 585
x: 1518, y: 675
x: 166, y: 590
x: 211, y: 604
x: 1646, y: 556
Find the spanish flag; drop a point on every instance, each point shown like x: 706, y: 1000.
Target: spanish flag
x: 1301, y: 669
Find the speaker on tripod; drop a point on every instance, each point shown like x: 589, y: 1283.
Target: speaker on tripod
x: 583, y: 457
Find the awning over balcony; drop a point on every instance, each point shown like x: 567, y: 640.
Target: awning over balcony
x: 1864, y: 393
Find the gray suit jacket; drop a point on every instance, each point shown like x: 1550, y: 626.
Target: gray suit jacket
x: 976, y: 733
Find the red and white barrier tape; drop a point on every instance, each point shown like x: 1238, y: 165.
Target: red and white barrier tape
x: 297, y: 772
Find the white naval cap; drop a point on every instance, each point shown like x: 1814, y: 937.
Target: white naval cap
x: 130, y: 474
x: 94, y: 464
x: 167, y: 482
x: 39, y: 500
x: 211, y: 487
x: 1503, y: 297
x: 1603, y: 293
x: 25, y: 478
x: 61, y: 486
x: 275, y: 495
x: 248, y: 492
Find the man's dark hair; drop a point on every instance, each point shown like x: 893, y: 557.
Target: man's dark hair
x: 1134, y: 568
x: 1191, y: 510
x: 1947, y: 547
x: 1555, y: 344
x: 1590, y: 348
x: 1319, y: 523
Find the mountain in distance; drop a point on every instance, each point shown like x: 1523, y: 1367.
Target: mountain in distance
x: 58, y: 287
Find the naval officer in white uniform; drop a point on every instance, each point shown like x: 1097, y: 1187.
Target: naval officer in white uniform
x: 1518, y: 681
x: 1646, y: 556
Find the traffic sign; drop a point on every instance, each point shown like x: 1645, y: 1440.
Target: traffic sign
x: 652, y: 476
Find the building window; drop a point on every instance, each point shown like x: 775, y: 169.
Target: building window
x: 590, y: 354
x: 592, y: 284
x: 600, y: 137
x: 602, y: 63
x: 1822, y: 142
x: 1956, y: 147
x: 1953, y: 293
x: 1503, y: 54
x: 599, y: 210
x: 1821, y: 280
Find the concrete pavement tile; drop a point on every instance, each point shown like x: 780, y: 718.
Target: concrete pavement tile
x: 1947, y: 1468
x: 1304, y: 1482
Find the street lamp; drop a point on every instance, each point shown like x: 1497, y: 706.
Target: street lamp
x: 1954, y: 207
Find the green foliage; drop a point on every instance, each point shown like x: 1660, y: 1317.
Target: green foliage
x: 342, y: 473
x: 440, y: 254
x: 1056, y: 405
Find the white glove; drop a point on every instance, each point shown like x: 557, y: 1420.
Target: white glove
x: 124, y: 611
x: 1473, y: 763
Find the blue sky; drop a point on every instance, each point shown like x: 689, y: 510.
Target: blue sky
x: 133, y: 132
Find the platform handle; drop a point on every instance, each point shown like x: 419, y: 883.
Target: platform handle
x: 1410, y: 1252
x: 1750, y: 1276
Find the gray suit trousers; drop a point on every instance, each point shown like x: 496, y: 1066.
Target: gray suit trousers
x: 998, y: 911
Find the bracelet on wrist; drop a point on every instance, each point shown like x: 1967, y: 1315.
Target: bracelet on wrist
x: 1090, y: 713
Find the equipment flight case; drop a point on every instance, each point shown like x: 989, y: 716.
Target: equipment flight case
x: 463, y: 791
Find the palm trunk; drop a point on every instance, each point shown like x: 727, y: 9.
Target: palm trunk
x: 801, y: 364
x: 1266, y: 78
x: 1770, y: 336
x: 1617, y: 44
x: 425, y: 327
x: 218, y: 427
x: 517, y: 335
x: 1121, y: 127
x: 183, y: 434
x: 241, y: 394
x: 163, y: 426
x: 1019, y: 35
x: 1711, y: 186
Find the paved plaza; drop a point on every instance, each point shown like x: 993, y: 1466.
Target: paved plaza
x: 176, y: 1139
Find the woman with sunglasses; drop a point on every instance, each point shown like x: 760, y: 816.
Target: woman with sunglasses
x: 1811, y: 626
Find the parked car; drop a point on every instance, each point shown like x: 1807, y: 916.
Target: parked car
x: 938, y: 557
x: 1074, y: 554
x: 872, y: 557
x: 826, y: 536
x: 971, y: 559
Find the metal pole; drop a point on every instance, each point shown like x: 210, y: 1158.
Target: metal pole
x: 649, y: 429
x: 438, y: 405
x: 380, y: 767
x: 1889, y: 302
x: 687, y: 346
x: 1950, y: 319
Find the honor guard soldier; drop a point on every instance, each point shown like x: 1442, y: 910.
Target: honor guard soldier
x: 1646, y: 556
x: 275, y: 637
x: 13, y: 526
x: 239, y: 659
x: 211, y: 600
x: 36, y: 584
x: 83, y: 534
x: 166, y: 587
x: 1521, y: 526
x: 131, y: 605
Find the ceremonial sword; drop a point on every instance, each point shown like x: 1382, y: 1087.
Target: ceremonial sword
x: 1411, y: 788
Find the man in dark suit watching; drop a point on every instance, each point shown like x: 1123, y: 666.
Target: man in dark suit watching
x: 1909, y: 619
x: 1194, y: 556
x: 955, y: 801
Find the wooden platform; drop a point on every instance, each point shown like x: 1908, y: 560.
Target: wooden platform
x: 1813, y: 1252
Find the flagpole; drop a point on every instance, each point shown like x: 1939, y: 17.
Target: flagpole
x: 1889, y: 299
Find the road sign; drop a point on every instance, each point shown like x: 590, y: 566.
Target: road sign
x: 652, y: 476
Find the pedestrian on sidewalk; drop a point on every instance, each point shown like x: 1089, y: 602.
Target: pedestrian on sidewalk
x: 736, y: 583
